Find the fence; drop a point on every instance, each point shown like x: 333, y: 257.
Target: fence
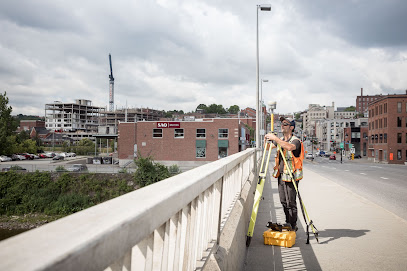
x: 169, y: 225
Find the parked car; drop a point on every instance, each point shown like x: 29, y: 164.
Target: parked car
x: 15, y: 157
x: 58, y: 157
x: 42, y: 155
x: 4, y: 158
x: 321, y: 153
x: 71, y: 154
x: 78, y: 168
x: 50, y: 154
x: 332, y: 157
x: 14, y: 168
x: 27, y: 156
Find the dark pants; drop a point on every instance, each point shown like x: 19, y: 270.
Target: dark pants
x: 288, y: 196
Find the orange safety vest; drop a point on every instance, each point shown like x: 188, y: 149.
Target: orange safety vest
x: 294, y: 164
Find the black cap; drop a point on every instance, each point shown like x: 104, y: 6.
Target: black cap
x: 290, y: 120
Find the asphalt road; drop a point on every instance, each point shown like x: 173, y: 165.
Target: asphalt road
x: 382, y: 184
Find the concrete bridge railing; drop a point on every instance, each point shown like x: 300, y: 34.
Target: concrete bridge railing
x: 170, y: 225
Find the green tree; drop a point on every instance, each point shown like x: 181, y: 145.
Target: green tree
x: 216, y: 108
x: 29, y: 146
x: 22, y: 136
x: 7, y: 124
x: 297, y: 116
x: 350, y: 109
x: 84, y: 146
x: 234, y: 109
x: 203, y: 107
x: 149, y: 172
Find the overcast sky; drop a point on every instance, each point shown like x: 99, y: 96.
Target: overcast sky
x: 175, y: 54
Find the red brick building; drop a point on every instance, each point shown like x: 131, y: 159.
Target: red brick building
x: 194, y: 141
x: 358, y: 137
x: 27, y: 125
x: 362, y: 101
x: 388, y: 129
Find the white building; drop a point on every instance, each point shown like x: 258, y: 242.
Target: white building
x: 332, y: 131
x: 315, y: 114
x: 77, y: 120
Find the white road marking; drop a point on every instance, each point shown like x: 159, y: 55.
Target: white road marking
x: 346, y: 169
x: 376, y: 166
x: 384, y: 178
x: 363, y: 173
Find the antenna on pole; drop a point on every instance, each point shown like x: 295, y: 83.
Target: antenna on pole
x: 111, y: 86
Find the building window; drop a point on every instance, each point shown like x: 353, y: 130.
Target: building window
x: 158, y: 133
x: 398, y: 137
x: 223, y: 133
x: 399, y: 107
x: 398, y: 121
x: 385, y: 108
x: 398, y: 154
x: 200, y: 148
x: 201, y: 133
x: 381, y: 138
x: 385, y: 138
x: 179, y: 133
x: 385, y: 122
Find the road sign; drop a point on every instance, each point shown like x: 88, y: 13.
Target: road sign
x: 341, y: 145
x: 352, y: 150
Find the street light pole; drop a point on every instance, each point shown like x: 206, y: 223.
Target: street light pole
x: 262, y: 128
x: 263, y: 8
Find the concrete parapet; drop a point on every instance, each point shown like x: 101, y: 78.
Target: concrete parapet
x: 231, y: 251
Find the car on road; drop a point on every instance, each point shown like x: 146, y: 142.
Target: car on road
x: 14, y: 168
x: 321, y: 153
x: 309, y: 156
x: 78, y: 168
x: 58, y: 157
x: 332, y: 157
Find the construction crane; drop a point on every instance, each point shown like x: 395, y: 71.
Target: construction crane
x: 111, y: 86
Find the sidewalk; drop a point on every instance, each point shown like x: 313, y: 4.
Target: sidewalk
x: 354, y: 233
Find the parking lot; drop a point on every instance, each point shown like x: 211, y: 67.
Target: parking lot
x: 47, y: 164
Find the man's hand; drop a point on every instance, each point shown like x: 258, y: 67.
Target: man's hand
x: 270, y: 137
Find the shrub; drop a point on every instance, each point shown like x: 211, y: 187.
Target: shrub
x: 149, y: 172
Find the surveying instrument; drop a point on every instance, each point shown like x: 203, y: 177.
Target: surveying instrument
x: 260, y: 185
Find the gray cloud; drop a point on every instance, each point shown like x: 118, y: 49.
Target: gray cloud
x: 178, y: 54
x: 367, y: 23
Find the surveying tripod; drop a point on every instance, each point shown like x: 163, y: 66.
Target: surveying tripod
x: 259, y: 191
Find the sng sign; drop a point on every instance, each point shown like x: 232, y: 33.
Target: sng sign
x: 168, y: 124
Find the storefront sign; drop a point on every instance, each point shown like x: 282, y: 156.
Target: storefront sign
x: 167, y: 124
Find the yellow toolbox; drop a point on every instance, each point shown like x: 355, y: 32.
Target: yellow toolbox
x: 277, y: 238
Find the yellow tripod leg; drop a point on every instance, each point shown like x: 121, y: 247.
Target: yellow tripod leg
x: 307, y: 220
x: 259, y: 191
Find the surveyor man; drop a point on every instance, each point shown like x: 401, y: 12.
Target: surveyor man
x: 294, y: 153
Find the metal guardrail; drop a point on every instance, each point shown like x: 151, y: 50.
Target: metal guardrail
x: 169, y: 225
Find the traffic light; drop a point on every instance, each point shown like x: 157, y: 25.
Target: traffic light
x: 353, y: 156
